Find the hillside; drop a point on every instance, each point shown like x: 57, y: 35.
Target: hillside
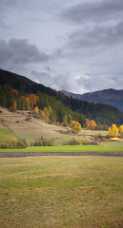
x: 111, y: 97
x: 23, y: 126
x: 23, y: 84
x: 63, y: 106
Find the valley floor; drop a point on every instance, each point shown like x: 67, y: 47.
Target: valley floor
x: 61, y: 192
x: 107, y: 147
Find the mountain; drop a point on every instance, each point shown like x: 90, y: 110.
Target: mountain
x: 61, y: 104
x: 22, y: 83
x: 111, y: 97
x: 70, y: 94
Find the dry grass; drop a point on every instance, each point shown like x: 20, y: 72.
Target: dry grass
x: 56, y: 192
x: 31, y: 129
x: 7, y: 136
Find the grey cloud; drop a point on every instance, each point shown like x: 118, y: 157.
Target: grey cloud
x: 47, y: 77
x: 86, y: 82
x: 43, y: 77
x: 6, y: 3
x: 20, y: 52
x: 88, y: 38
x: 31, y: 5
x: 94, y: 11
x: 101, y: 81
x: 56, y: 80
x: 97, y: 36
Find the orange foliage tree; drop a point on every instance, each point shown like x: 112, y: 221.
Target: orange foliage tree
x: 13, y: 106
x: 34, y: 99
x: 90, y: 124
x: 29, y: 102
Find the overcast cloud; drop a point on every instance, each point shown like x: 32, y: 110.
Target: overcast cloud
x: 70, y: 45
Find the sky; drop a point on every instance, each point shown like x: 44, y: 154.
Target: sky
x: 73, y: 45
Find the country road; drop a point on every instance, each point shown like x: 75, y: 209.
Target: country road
x: 52, y: 154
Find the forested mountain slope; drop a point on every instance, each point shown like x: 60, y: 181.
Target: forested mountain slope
x: 22, y: 89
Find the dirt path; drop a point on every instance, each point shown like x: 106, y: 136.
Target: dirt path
x: 52, y: 154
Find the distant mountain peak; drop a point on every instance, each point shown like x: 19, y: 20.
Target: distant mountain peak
x: 109, y: 96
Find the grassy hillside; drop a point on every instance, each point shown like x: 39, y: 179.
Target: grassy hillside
x: 7, y: 136
x: 23, y: 125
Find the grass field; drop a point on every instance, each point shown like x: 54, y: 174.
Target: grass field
x: 7, y: 136
x: 79, y: 192
x: 103, y: 147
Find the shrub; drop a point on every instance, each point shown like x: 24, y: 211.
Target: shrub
x: 75, y: 126
x: 113, y: 131
x: 22, y: 143
x: 19, y: 144
x: 121, y: 130
x: 90, y: 124
x: 84, y: 141
x: 42, y: 142
x: 67, y: 120
x: 74, y: 141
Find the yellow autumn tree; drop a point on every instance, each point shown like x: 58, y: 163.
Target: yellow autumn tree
x: 113, y: 131
x: 75, y: 126
x: 121, y: 130
x: 44, y: 114
x: 36, y: 109
x: 27, y: 103
x: 47, y: 114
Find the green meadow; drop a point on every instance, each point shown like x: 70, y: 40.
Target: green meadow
x: 103, y: 147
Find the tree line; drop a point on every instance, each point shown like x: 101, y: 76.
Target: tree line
x: 43, y: 106
x: 48, y: 107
